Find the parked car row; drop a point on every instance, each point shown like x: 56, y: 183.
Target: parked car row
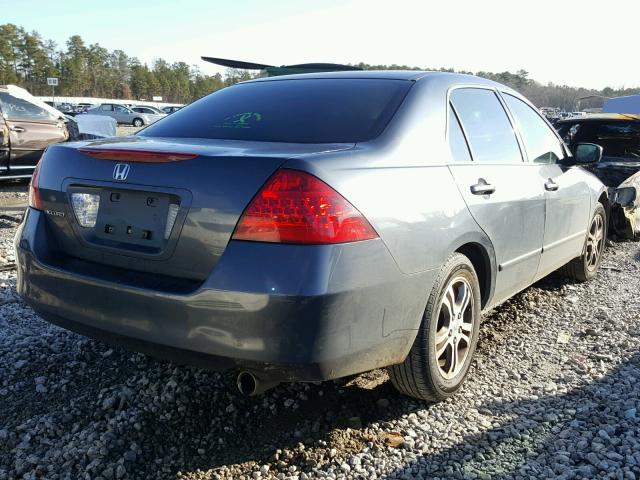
x: 154, y: 113
x: 556, y: 114
x: 26, y: 129
x: 29, y: 125
x: 311, y: 227
x: 137, y: 116
x: 70, y: 109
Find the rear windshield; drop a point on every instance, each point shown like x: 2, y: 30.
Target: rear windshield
x: 295, y: 111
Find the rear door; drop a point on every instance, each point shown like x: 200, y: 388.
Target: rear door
x: 503, y: 193
x: 30, y: 130
x: 122, y: 114
x: 568, y: 197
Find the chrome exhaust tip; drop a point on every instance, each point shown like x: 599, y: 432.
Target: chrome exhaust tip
x: 249, y: 385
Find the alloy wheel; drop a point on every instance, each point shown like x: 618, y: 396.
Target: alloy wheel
x: 454, y: 330
x: 595, y: 243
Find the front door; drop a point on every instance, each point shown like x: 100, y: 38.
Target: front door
x: 568, y: 197
x: 568, y: 209
x: 504, y: 194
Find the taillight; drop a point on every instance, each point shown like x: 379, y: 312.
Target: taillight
x: 140, y: 156
x: 34, y: 190
x: 296, y: 207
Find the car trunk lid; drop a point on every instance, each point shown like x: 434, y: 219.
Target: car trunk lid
x: 166, y: 207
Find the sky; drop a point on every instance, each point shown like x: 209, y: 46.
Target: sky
x: 584, y: 43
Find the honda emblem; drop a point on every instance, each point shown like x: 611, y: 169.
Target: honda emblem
x: 121, y: 171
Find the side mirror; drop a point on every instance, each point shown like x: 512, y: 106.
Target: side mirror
x: 587, y: 153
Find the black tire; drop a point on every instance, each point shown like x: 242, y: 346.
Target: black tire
x: 585, y: 267
x: 420, y: 375
x: 137, y: 122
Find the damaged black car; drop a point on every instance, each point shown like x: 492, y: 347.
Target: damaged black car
x: 619, y: 168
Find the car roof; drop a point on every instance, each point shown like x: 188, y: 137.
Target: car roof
x: 411, y: 75
x: 594, y: 117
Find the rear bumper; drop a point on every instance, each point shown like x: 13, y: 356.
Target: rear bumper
x: 285, y: 312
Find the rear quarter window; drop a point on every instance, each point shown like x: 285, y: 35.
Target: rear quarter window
x: 294, y: 111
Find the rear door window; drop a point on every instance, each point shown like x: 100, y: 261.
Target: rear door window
x: 541, y: 143
x: 297, y: 111
x: 489, y: 132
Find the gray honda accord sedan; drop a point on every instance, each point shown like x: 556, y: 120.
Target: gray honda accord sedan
x: 310, y: 227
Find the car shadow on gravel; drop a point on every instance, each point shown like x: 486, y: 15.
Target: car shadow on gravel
x: 188, y: 420
x: 295, y: 423
x: 587, y: 432
x: 298, y: 424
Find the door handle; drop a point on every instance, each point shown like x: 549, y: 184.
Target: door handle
x: 482, y: 188
x: 551, y: 186
x: 17, y: 129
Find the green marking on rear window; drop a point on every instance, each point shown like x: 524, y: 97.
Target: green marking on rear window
x: 241, y: 120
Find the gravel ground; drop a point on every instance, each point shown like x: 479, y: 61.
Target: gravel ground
x: 13, y: 192
x: 553, y: 393
x: 127, y: 130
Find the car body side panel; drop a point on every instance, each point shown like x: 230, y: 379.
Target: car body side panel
x: 417, y: 211
x: 279, y: 304
x: 28, y: 139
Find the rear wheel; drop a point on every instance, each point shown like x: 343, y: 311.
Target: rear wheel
x: 585, y: 267
x: 137, y: 122
x: 443, y: 349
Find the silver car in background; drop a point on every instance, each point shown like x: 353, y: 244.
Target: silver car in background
x: 122, y: 114
x: 311, y: 227
x: 152, y: 113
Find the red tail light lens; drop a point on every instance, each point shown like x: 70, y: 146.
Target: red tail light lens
x: 34, y: 190
x: 296, y: 207
x: 139, y: 156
